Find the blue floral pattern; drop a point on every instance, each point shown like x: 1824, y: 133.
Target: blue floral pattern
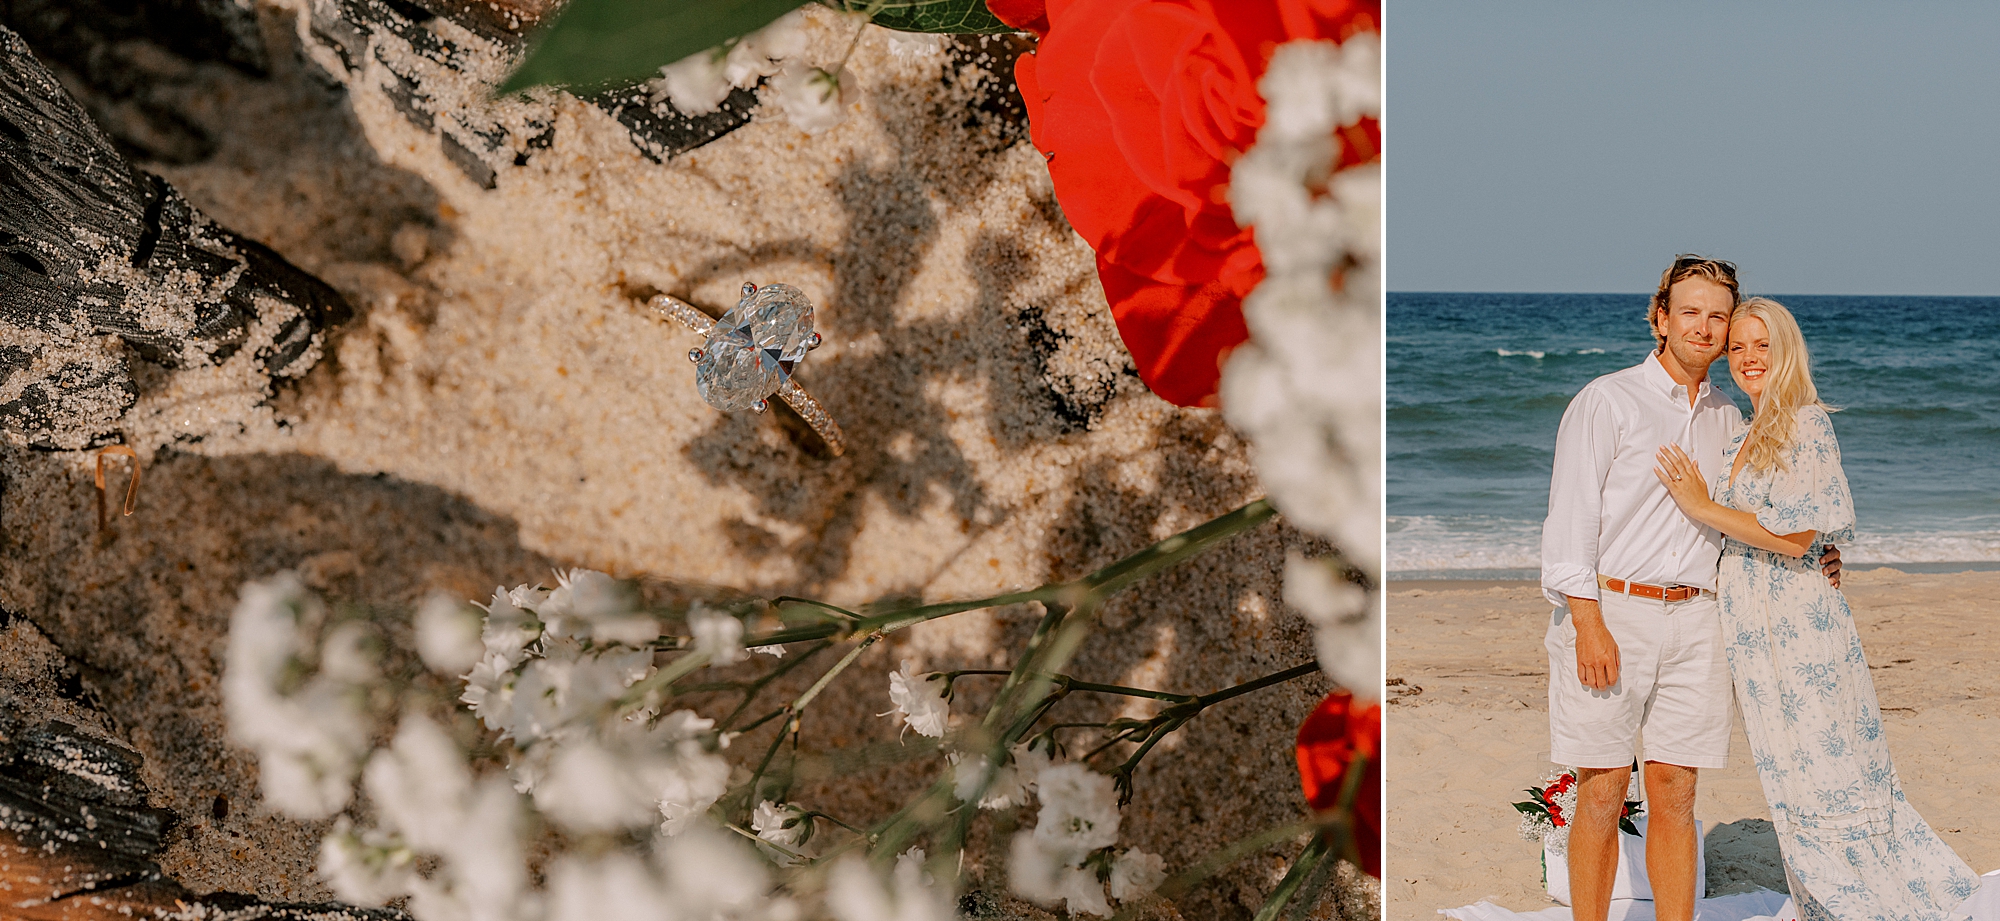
x: 1854, y: 848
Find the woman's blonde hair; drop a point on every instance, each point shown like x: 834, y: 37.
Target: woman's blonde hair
x: 1788, y: 385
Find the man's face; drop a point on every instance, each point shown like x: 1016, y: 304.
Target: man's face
x: 1695, y: 324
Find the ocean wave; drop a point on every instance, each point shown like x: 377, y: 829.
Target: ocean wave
x: 1420, y: 544
x: 1539, y: 354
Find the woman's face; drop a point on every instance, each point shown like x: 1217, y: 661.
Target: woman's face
x: 1749, y: 355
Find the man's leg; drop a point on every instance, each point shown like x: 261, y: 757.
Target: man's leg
x: 1670, y: 845
x: 1593, y: 840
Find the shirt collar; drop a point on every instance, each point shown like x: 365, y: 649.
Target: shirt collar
x: 1658, y: 378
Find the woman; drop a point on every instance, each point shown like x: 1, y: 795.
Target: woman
x: 1854, y: 849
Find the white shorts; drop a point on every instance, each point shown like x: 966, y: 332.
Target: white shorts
x: 1673, y: 684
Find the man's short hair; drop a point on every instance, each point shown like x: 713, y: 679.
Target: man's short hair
x: 1688, y: 265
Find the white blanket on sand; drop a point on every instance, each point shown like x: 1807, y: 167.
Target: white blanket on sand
x: 1762, y: 905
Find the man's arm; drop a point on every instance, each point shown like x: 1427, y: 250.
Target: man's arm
x: 1596, y: 651
x: 1585, y: 444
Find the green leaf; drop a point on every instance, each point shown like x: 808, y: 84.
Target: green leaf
x: 601, y: 41
x: 942, y: 16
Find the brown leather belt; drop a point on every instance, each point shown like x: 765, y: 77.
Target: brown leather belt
x: 1655, y: 592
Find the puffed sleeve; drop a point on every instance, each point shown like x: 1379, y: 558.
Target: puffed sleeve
x: 1810, y: 493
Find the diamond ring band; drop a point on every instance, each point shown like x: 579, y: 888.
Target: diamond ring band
x: 750, y: 354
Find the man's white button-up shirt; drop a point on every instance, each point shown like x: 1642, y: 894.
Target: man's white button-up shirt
x: 1608, y: 512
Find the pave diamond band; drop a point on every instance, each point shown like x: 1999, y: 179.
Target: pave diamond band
x: 750, y: 354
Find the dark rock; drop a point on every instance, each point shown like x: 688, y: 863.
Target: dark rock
x: 100, y: 260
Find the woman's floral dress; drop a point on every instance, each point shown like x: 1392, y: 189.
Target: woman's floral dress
x: 1854, y: 849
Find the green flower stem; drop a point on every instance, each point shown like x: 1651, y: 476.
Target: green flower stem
x: 1102, y: 583
x: 757, y: 687
x: 826, y: 679
x: 659, y: 680
x: 753, y: 836
x: 1308, y: 875
x: 1070, y: 684
x: 1307, y: 865
x: 793, y: 709
x: 816, y: 814
x: 783, y: 600
x: 759, y: 721
x: 1171, y: 719
x: 1179, y: 884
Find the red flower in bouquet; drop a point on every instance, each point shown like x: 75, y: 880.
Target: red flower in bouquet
x: 1141, y: 107
x: 1338, y: 734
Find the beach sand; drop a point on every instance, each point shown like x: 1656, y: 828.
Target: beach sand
x: 504, y: 404
x: 1476, y: 736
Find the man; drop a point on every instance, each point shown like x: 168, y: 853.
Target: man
x: 1635, y: 643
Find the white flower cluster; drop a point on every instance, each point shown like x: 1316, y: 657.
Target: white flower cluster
x: 553, y: 673
x: 1306, y: 389
x: 1069, y: 853
x: 1072, y: 850
x: 550, y: 670
x: 301, y: 705
x: 921, y: 699
x: 810, y: 97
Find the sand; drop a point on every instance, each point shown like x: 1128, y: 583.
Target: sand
x: 504, y: 404
x: 1476, y: 736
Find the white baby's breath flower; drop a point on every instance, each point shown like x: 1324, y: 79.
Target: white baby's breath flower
x: 489, y: 692
x: 696, y: 84
x: 1136, y: 873
x: 615, y: 887
x: 419, y: 785
x: 511, y: 624
x: 310, y: 738
x: 811, y: 98
x: 855, y: 893
x: 1003, y: 791
x: 1010, y: 783
x: 1047, y: 876
x: 448, y: 635
x: 775, y: 652
x: 783, y: 825
x: 488, y: 871
x: 1079, y: 810
x: 593, y: 788
x: 921, y: 700
x: 366, y: 869
x: 915, y: 45
x: 715, y: 875
x: 763, y: 52
x: 717, y: 633
x: 1305, y: 389
x: 1348, y: 624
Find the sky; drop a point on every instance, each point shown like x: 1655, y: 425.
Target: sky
x: 1826, y: 148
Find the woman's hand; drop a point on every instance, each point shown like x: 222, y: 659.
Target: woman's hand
x: 1682, y: 477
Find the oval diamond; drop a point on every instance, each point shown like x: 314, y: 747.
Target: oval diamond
x: 754, y: 347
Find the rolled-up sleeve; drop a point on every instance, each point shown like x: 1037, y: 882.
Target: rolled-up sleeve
x: 1585, y: 443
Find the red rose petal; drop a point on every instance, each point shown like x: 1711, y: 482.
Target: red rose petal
x: 1141, y: 107
x: 1330, y: 739
x: 1178, y: 334
x: 1027, y: 15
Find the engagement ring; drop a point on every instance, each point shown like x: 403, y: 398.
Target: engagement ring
x: 752, y: 351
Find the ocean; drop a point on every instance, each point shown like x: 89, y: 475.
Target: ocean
x: 1477, y: 384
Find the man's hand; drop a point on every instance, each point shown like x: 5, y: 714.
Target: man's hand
x: 1596, y: 650
x: 1829, y: 565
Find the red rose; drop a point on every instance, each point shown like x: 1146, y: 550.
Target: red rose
x: 1330, y: 740
x: 1141, y: 107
